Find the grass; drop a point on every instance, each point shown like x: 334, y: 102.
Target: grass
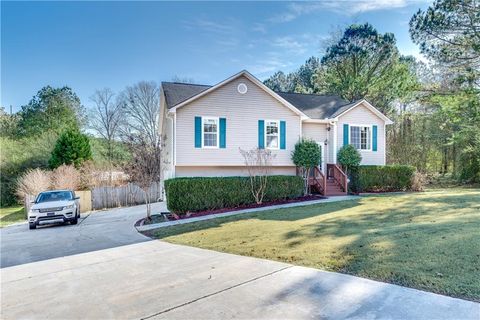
x: 427, y: 240
x: 10, y: 215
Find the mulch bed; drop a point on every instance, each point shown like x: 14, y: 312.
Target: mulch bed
x: 167, y: 216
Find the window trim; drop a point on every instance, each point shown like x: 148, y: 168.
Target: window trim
x: 265, y: 134
x: 217, y: 119
x: 360, y: 126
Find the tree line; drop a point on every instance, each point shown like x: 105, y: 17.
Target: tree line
x: 435, y: 106
x: 117, y: 132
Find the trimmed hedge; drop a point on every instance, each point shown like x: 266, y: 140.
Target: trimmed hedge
x: 209, y: 193
x: 385, y: 178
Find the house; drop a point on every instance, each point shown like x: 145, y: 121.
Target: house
x: 205, y: 126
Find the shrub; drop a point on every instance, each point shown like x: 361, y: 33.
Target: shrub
x: 209, y: 193
x: 66, y: 177
x: 32, y: 182
x: 306, y: 155
x: 72, y: 147
x: 349, y: 158
x: 418, y: 181
x: 385, y: 178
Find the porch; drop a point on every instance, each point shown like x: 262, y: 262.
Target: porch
x: 332, y: 182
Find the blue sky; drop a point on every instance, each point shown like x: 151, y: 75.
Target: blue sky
x: 93, y: 45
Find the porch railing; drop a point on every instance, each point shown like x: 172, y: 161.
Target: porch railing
x: 318, y: 179
x: 334, y: 171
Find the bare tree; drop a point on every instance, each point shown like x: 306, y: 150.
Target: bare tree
x: 145, y: 168
x: 177, y: 78
x: 258, y: 163
x: 141, y: 107
x: 106, y: 118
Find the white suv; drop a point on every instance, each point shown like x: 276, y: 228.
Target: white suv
x: 54, y: 207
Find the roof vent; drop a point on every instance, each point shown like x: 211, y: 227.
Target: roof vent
x: 242, y: 88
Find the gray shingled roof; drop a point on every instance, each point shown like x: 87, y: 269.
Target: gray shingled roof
x: 176, y: 92
x: 313, y: 105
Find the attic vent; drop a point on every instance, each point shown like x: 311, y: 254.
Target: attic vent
x: 242, y: 88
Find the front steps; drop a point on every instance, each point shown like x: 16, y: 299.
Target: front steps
x: 334, y: 189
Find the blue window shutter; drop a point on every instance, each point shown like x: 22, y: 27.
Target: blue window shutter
x: 198, y: 132
x: 261, y: 134
x: 282, y: 135
x: 345, y: 134
x: 374, y: 138
x: 223, y: 133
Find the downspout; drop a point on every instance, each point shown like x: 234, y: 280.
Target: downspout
x: 334, y: 160
x: 174, y: 141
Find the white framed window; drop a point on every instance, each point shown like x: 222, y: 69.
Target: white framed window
x: 361, y: 137
x: 210, y: 132
x: 272, y: 134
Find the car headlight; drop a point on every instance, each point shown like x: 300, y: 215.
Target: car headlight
x: 68, y: 207
x: 34, y: 210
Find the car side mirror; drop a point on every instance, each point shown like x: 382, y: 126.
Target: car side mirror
x: 33, y: 201
x: 77, y: 198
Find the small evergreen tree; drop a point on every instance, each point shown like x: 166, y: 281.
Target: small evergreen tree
x: 306, y: 155
x: 72, y: 147
x: 349, y: 158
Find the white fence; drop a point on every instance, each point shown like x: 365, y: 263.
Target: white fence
x: 123, y: 196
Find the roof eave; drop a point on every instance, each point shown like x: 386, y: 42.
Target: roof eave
x: 370, y: 107
x: 249, y: 76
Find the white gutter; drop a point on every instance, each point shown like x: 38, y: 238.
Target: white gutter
x: 317, y: 120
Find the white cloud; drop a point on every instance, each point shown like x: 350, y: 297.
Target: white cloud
x: 290, y: 44
x: 224, y: 27
x: 259, y: 27
x: 224, y: 33
x: 345, y: 7
x: 265, y: 67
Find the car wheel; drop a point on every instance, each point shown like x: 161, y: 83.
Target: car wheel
x: 78, y: 215
x: 32, y: 226
x: 74, y: 220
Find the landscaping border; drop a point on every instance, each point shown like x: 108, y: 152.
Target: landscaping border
x: 232, y: 213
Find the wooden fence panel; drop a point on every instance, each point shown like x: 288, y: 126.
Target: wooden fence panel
x: 110, y: 197
x: 27, y: 203
x: 85, y: 200
x: 123, y: 196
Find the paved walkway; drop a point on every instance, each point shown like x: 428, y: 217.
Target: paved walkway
x: 244, y: 211
x: 158, y: 280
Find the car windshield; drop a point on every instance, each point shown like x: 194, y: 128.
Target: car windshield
x: 54, y: 196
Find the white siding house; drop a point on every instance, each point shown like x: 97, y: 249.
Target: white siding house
x: 206, y: 126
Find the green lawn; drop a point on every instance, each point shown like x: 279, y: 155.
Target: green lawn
x: 429, y: 240
x: 11, y: 215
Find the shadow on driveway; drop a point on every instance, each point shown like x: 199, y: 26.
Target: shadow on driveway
x: 96, y: 231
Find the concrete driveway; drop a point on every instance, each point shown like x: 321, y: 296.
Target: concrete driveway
x: 95, y: 231
x: 125, y: 276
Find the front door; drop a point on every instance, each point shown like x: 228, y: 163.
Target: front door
x: 322, y: 148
